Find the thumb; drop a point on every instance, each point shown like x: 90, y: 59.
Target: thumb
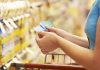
x: 40, y: 35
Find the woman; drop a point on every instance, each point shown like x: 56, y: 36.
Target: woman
x: 75, y: 46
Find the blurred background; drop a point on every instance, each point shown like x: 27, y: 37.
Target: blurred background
x: 18, y: 18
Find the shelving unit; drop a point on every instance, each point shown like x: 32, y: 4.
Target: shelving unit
x: 14, y: 40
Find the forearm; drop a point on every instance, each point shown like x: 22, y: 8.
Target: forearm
x: 82, y: 55
x: 73, y: 38
x: 77, y: 40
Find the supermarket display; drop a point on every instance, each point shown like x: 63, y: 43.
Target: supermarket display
x: 20, y: 18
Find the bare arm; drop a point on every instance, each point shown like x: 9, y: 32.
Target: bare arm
x: 88, y: 58
x: 97, y: 46
x: 77, y: 40
x: 73, y: 38
x: 49, y: 41
x: 81, y: 55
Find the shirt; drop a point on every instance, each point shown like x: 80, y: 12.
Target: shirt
x: 91, y: 23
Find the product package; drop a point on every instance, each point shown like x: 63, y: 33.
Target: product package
x: 42, y: 26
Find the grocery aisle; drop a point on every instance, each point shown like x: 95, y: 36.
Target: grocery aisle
x: 19, y: 18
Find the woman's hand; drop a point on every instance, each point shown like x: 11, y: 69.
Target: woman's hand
x: 47, y: 41
x: 59, y: 32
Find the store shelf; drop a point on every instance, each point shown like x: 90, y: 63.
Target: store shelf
x: 25, y: 44
x: 14, y: 51
x: 10, y: 36
x: 18, y: 13
x: 11, y: 54
x: 23, y: 31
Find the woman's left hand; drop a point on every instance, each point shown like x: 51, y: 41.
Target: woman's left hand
x: 47, y: 41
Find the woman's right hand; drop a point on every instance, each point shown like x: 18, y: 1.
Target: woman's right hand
x: 59, y: 32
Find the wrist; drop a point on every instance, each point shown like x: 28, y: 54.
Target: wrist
x: 62, y: 33
x: 58, y: 41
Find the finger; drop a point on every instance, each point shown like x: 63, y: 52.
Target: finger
x: 42, y: 33
x: 51, y: 29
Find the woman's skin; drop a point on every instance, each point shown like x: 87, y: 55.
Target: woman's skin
x: 97, y: 46
x: 73, y: 38
x: 72, y: 45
